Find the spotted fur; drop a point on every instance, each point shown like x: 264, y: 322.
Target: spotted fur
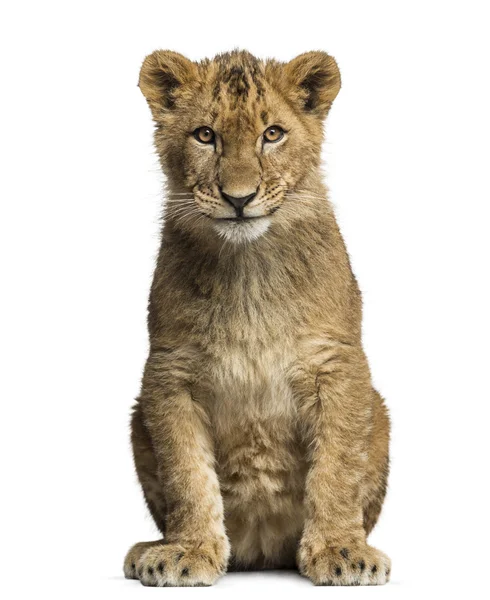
x: 258, y: 438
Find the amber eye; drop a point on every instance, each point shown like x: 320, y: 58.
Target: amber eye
x: 205, y: 135
x: 273, y: 133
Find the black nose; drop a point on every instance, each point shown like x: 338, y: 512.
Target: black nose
x: 238, y: 203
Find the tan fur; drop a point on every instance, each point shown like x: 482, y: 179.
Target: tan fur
x: 258, y: 438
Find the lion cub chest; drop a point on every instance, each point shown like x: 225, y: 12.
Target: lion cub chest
x: 259, y: 455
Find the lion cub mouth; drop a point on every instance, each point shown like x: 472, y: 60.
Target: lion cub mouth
x: 240, y: 219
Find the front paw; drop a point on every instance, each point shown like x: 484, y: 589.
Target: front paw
x: 178, y: 565
x: 357, y: 564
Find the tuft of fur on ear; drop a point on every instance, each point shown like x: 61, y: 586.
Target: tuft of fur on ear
x: 163, y: 74
x: 317, y: 76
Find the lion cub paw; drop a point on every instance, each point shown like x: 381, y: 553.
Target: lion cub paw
x: 175, y: 565
x: 133, y: 556
x: 344, y: 565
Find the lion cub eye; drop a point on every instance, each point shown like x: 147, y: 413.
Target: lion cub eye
x: 273, y: 133
x: 205, y: 135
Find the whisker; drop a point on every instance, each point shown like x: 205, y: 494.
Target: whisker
x: 305, y: 195
x: 180, y: 214
x: 196, y: 215
x: 181, y: 201
x: 176, y: 205
x: 180, y: 204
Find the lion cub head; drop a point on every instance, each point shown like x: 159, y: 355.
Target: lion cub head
x: 238, y: 137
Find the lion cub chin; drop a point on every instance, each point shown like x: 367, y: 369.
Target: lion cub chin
x: 258, y: 438
x: 241, y: 232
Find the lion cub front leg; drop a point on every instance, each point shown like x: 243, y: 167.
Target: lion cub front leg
x: 336, y: 413
x: 195, y: 548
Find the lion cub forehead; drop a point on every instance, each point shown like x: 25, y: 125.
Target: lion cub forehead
x: 238, y: 91
x: 238, y: 75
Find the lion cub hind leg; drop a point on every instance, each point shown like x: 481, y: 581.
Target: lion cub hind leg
x: 146, y: 468
x: 378, y: 465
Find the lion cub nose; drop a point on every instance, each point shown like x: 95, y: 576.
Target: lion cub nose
x: 238, y: 202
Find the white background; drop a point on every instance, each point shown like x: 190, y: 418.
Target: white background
x: 407, y: 158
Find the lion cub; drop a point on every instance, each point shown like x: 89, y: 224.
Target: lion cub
x: 258, y: 438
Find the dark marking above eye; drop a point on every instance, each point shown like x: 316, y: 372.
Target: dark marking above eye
x: 217, y: 89
x: 257, y: 79
x: 344, y: 553
x: 237, y: 80
x: 264, y: 116
x: 232, y: 73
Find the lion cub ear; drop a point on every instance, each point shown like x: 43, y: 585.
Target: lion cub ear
x: 162, y: 76
x: 317, y: 78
